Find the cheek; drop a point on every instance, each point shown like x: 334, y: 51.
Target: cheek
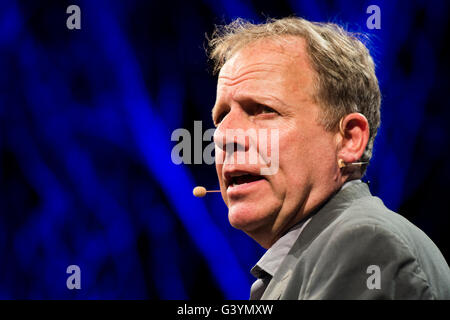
x: 305, y: 154
x: 293, y: 148
x: 295, y: 160
x: 296, y: 171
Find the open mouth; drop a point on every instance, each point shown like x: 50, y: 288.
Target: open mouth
x: 243, y: 179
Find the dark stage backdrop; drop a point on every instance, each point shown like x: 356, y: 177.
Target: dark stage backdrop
x: 86, y: 118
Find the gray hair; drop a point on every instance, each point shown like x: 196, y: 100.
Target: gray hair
x: 346, y: 80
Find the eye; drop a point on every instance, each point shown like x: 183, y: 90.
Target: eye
x: 265, y: 109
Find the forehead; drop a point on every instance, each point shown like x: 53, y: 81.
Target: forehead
x: 276, y: 51
x: 275, y: 63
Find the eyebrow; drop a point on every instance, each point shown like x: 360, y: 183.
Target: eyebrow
x: 263, y: 99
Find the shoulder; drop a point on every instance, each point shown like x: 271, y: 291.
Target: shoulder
x: 367, y: 235
x: 367, y: 228
x: 339, y: 262
x: 368, y: 216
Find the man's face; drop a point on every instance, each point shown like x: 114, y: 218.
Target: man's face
x: 270, y: 85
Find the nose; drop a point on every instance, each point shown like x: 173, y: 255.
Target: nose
x: 231, y: 132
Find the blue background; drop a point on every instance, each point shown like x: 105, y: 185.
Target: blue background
x: 86, y: 118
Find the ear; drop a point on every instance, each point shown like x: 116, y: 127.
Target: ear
x: 354, y: 131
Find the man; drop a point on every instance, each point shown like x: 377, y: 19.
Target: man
x: 327, y: 236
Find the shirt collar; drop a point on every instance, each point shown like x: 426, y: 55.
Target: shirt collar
x: 273, y: 257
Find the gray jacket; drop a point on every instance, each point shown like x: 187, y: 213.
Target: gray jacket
x: 356, y: 248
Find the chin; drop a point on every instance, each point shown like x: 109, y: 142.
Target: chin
x: 247, y: 218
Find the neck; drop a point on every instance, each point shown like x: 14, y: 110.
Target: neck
x: 267, y: 236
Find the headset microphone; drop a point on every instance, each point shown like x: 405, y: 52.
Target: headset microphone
x: 200, y: 192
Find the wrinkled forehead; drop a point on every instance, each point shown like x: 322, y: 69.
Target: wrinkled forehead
x: 282, y: 51
x: 278, y: 60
